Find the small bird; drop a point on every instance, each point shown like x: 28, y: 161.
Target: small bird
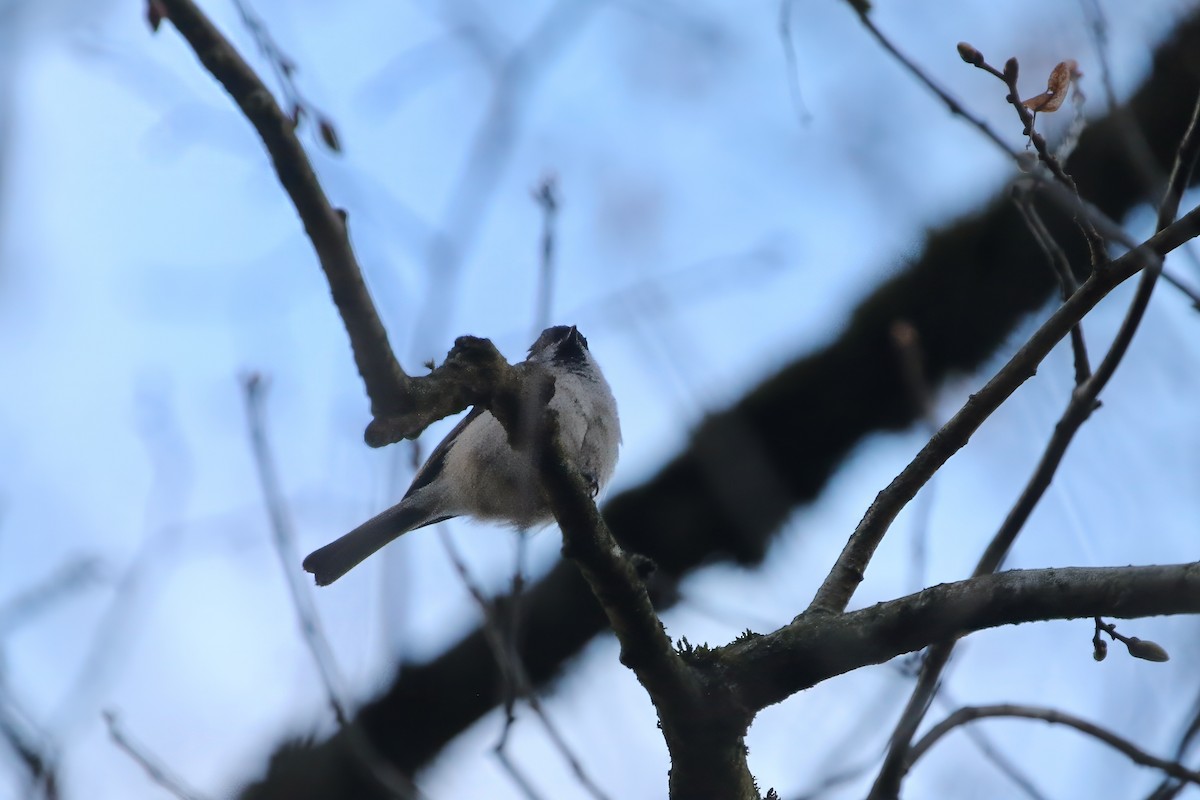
x: 474, y: 472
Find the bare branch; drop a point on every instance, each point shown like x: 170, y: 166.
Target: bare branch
x: 956, y: 108
x: 972, y: 713
x: 385, y: 776
x: 31, y: 746
x: 1061, y: 266
x: 817, y: 646
x: 386, y: 383
x: 1009, y: 77
x: 73, y: 577
x: 516, y: 679
x: 1083, y: 401
x: 158, y: 772
x: 803, y: 115
x: 253, y: 387
x: 839, y: 586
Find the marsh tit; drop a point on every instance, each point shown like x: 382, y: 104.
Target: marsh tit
x: 475, y: 473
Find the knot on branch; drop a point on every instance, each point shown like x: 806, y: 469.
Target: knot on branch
x: 474, y: 373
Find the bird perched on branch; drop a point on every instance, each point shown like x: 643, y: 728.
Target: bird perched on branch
x: 475, y: 472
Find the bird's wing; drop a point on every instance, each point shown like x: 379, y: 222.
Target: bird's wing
x: 437, y: 459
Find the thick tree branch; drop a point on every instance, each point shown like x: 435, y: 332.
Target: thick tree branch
x: 386, y: 384
x: 815, y: 647
x: 703, y: 728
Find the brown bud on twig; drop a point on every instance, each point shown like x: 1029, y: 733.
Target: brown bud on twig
x: 1146, y: 649
x: 969, y: 54
x: 1099, y: 649
x: 1010, y: 71
x: 329, y: 134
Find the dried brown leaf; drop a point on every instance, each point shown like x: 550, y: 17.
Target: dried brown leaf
x: 1056, y: 88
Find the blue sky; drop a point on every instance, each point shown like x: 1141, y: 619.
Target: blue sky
x: 148, y: 258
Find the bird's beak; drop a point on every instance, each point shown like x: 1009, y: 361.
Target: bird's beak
x: 574, y: 346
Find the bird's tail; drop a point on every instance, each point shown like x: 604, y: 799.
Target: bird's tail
x: 341, y: 555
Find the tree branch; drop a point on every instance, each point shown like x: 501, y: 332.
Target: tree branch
x: 703, y: 729
x: 386, y: 384
x: 1083, y: 401
x: 976, y: 278
x: 839, y: 586
x: 815, y: 647
x: 972, y: 713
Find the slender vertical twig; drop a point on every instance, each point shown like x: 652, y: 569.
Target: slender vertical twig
x: 803, y: 115
x: 388, y: 778
x: 546, y: 196
x: 1061, y: 267
x: 516, y: 681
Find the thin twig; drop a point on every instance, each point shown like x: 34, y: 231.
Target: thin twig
x: 516, y: 681
x: 285, y: 74
x: 947, y: 99
x: 515, y: 773
x: 546, y: 196
x: 972, y: 713
x: 1168, y: 789
x: 158, y: 772
x: 907, y: 343
x: 1187, y: 291
x: 1003, y: 763
x: 254, y: 387
x: 803, y: 115
x: 1089, y: 212
x: 71, y: 578
x: 1061, y: 267
x: 491, y: 147
x: 387, y: 777
x: 31, y: 746
x: 1008, y: 76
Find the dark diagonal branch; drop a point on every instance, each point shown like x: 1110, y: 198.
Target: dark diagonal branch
x: 386, y: 384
